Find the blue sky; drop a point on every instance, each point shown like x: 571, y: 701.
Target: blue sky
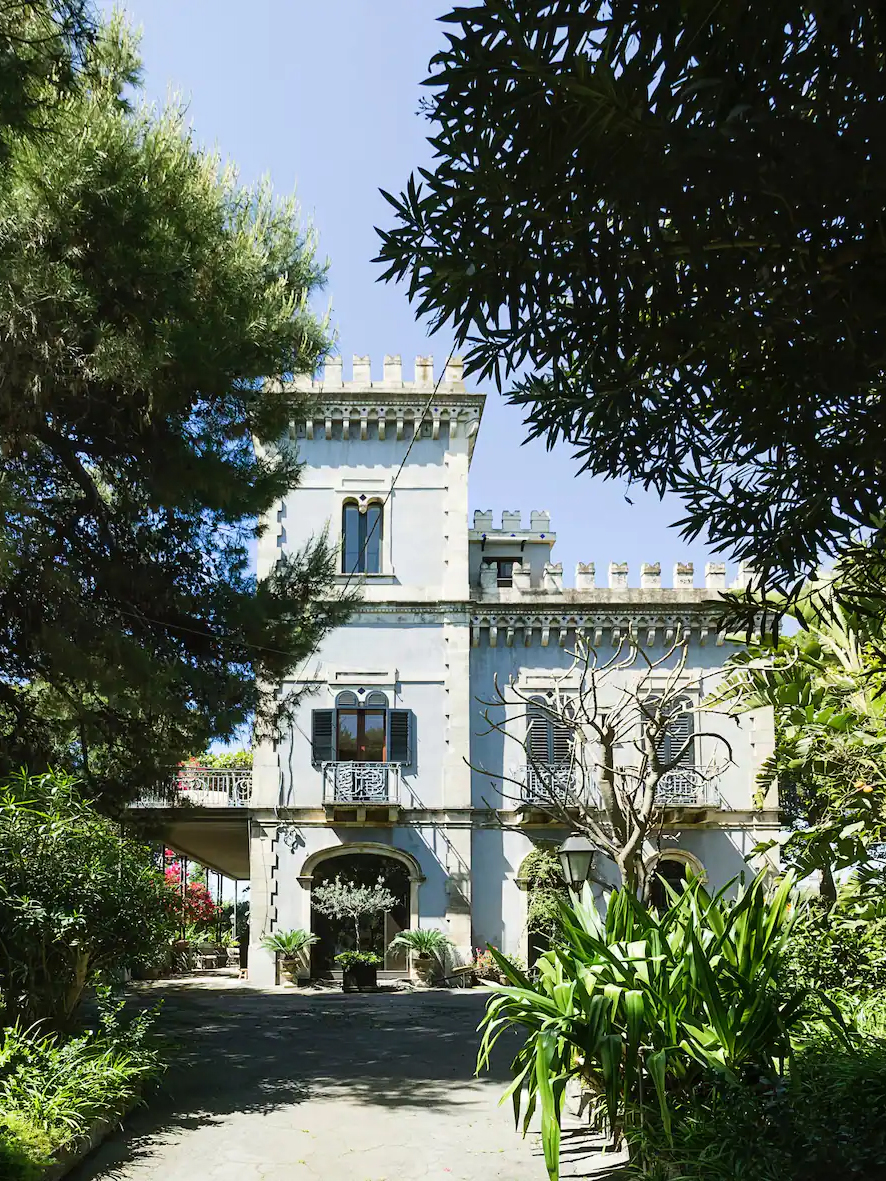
x: 323, y: 98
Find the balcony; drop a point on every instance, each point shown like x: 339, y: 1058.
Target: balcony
x: 684, y: 787
x: 359, y: 792
x: 202, y: 787
x: 201, y: 812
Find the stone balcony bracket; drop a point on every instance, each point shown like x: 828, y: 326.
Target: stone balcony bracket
x: 506, y: 629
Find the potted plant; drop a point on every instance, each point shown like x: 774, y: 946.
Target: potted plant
x: 359, y: 970
x: 427, y: 947
x: 290, y: 948
x: 347, y: 900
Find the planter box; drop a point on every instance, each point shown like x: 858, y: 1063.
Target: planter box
x: 359, y: 978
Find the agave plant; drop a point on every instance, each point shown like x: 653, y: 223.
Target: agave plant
x: 289, y: 944
x: 640, y: 1001
x: 425, y: 942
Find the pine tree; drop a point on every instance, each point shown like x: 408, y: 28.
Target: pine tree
x: 147, y: 297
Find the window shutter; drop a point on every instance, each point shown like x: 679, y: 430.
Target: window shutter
x: 538, y: 734
x: 679, y: 730
x: 400, y: 736
x: 322, y: 728
x: 561, y: 743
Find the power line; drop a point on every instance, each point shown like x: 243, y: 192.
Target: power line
x: 139, y: 615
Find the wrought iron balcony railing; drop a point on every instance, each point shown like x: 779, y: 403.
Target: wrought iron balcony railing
x: 202, y: 787
x: 546, y: 784
x: 686, y: 787
x: 361, y: 783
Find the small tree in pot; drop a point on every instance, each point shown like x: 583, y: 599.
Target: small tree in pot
x: 428, y: 948
x: 289, y: 947
x: 340, y: 899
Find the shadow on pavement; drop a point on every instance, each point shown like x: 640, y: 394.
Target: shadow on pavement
x: 235, y: 1049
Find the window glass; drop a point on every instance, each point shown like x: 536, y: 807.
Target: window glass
x: 373, y: 522
x: 505, y: 571
x: 351, y: 522
x: 348, y: 735
x: 373, y: 736
x: 361, y: 735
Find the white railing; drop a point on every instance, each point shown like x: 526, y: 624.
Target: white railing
x: 549, y: 783
x: 203, y: 787
x: 361, y: 783
x: 686, y: 787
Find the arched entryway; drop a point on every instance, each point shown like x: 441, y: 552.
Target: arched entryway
x: 363, y: 865
x: 672, y: 867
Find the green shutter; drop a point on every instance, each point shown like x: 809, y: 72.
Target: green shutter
x: 322, y: 735
x: 400, y: 736
x: 538, y: 737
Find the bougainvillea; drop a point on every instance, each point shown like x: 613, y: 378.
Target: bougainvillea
x: 196, y: 903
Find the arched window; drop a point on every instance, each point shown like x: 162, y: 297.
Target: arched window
x: 361, y: 731
x: 548, y: 739
x: 361, y: 529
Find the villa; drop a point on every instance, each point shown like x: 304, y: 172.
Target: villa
x: 388, y: 766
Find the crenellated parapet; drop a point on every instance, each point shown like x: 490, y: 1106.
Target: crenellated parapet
x: 511, y: 524
x: 361, y: 408
x: 618, y: 578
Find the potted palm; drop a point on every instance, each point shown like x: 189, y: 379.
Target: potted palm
x: 427, y: 946
x: 290, y: 948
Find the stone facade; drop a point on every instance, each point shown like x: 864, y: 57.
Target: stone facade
x: 446, y: 609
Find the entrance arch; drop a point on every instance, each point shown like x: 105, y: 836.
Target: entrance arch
x: 363, y: 863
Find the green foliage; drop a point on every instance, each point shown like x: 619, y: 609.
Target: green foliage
x: 641, y: 1003
x: 347, y: 959
x: 546, y: 889
x: 826, y: 1120
x: 147, y: 297
x: 41, y: 59
x: 340, y: 899
x: 664, y: 211
x: 825, y: 686
x: 52, y: 1089
x: 289, y: 944
x: 224, y: 760
x: 841, y: 947
x: 78, y: 898
x: 423, y: 941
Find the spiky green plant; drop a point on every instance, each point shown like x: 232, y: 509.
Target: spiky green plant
x: 289, y: 944
x: 426, y: 942
x: 645, y: 1001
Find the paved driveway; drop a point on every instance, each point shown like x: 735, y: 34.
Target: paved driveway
x: 271, y: 1086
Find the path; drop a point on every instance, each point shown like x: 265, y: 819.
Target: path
x: 285, y: 1086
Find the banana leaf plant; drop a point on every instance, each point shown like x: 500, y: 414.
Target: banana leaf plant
x: 640, y: 1002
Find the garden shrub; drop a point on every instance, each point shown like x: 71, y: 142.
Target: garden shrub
x: 826, y: 1120
x: 78, y: 899
x: 52, y: 1088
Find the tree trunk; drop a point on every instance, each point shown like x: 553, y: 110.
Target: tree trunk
x: 827, y: 886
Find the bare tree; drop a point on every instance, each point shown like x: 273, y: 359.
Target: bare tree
x: 622, y: 730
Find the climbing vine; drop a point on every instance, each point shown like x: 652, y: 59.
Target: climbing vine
x: 541, y: 869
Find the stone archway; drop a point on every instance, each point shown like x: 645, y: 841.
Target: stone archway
x: 364, y: 863
x: 673, y: 865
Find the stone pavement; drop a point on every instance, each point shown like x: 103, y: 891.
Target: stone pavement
x: 270, y: 1085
